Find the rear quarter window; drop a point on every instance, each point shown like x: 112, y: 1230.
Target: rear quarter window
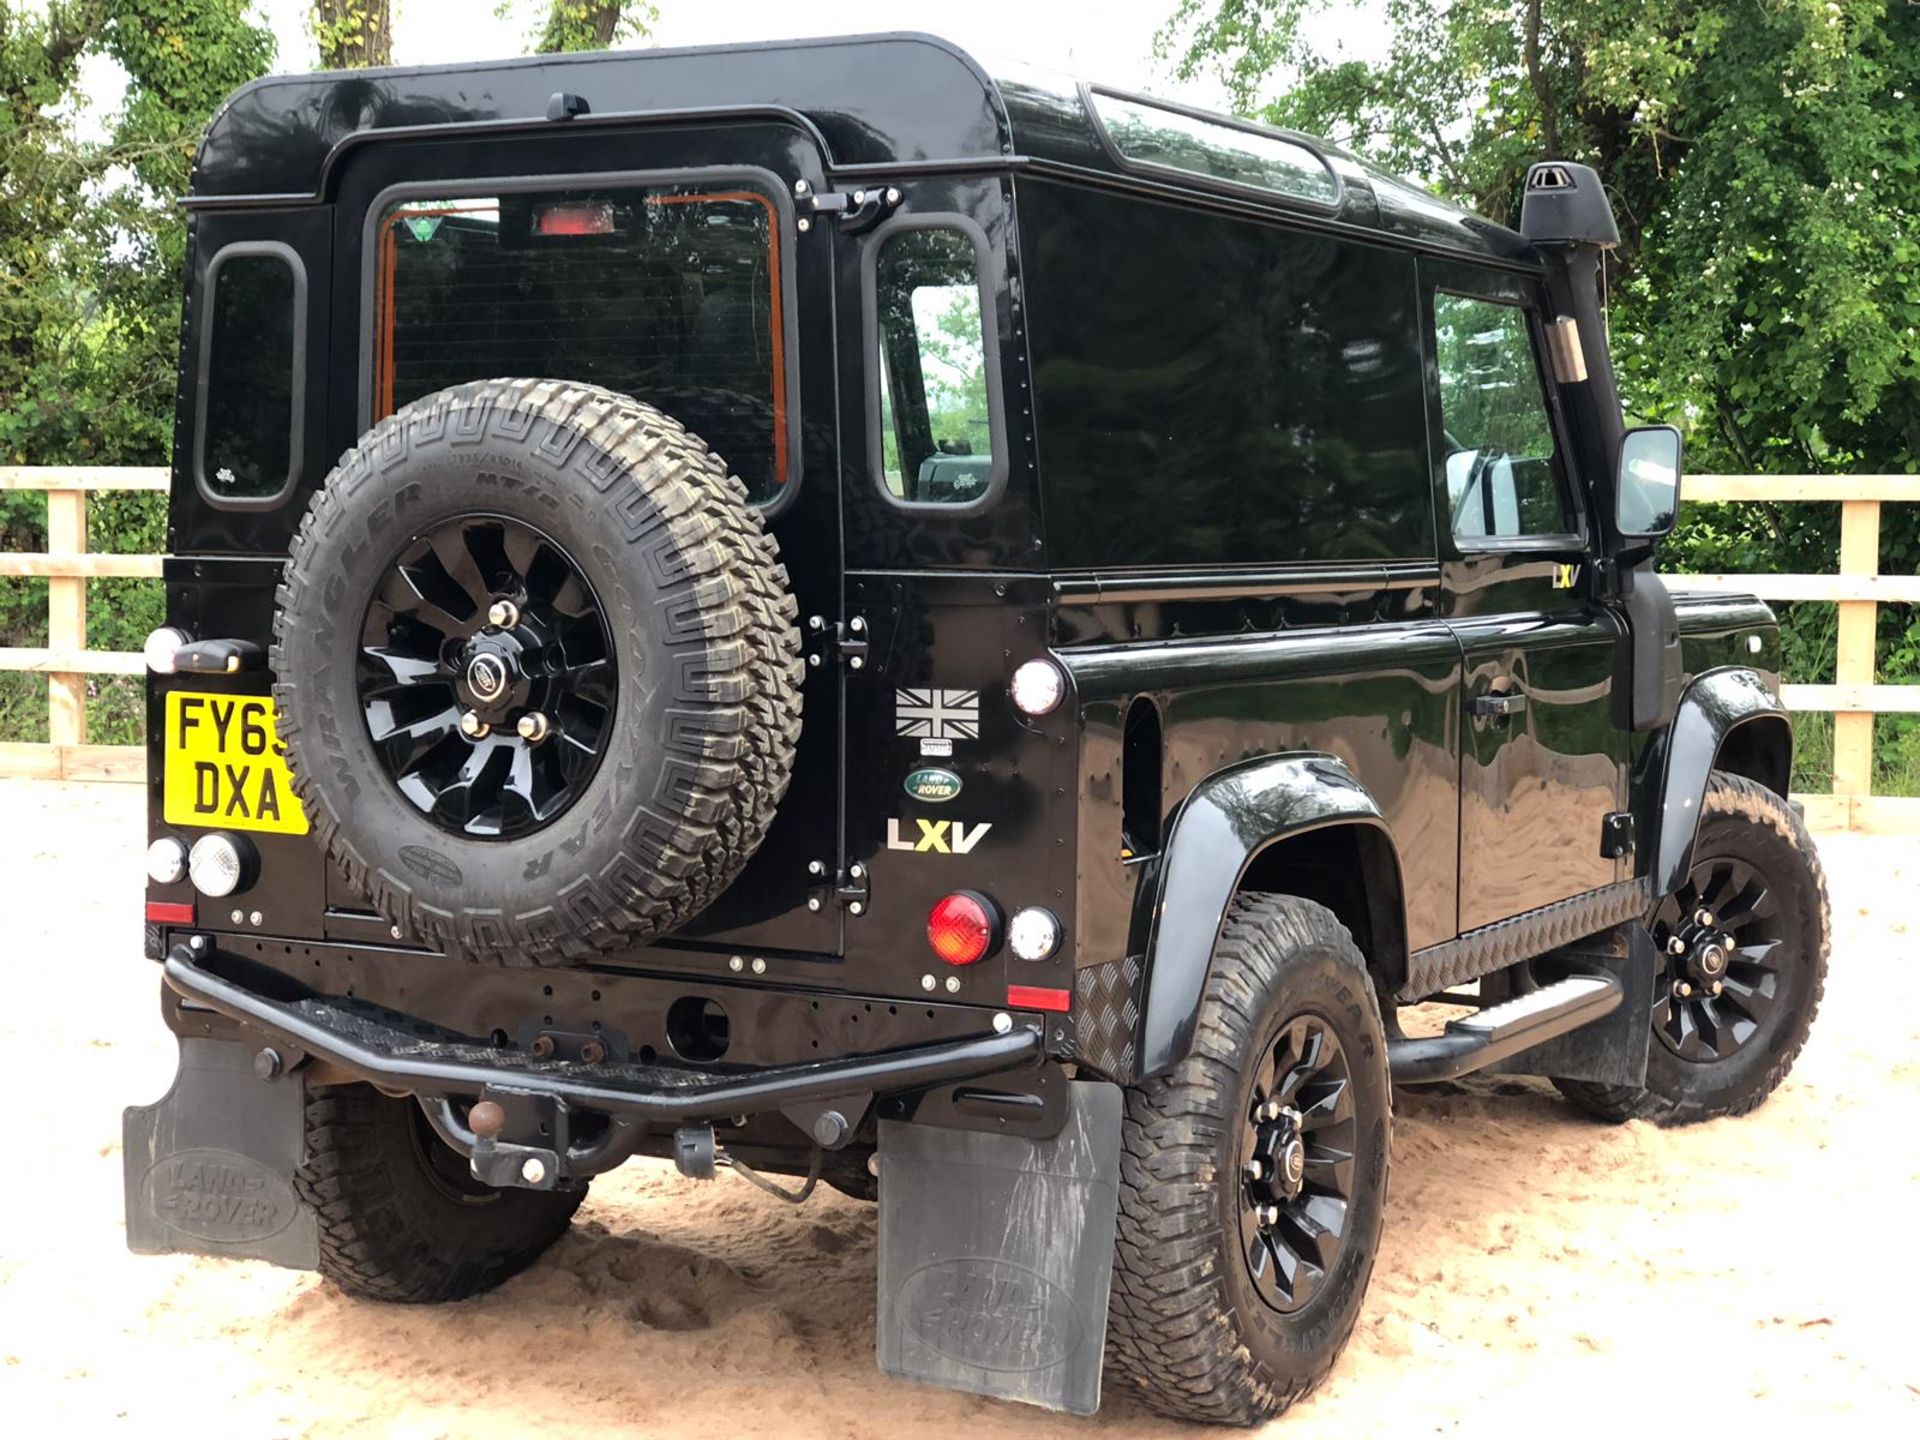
x: 250, y: 401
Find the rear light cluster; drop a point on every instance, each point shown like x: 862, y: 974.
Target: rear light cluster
x: 963, y: 928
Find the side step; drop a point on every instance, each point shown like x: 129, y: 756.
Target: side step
x: 1503, y: 1030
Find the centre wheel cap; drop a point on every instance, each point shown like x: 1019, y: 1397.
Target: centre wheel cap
x: 487, y: 676
x: 1713, y: 960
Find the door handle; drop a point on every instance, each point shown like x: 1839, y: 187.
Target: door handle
x: 1498, y: 706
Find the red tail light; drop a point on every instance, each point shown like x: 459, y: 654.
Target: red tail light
x: 963, y: 927
x: 581, y: 219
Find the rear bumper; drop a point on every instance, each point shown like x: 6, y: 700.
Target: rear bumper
x: 398, y: 1052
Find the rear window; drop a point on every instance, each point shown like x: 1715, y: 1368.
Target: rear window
x: 1152, y: 135
x: 671, y: 295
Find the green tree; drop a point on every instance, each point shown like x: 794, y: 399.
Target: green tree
x: 568, y: 25
x: 1763, y: 160
x: 352, y: 34
x: 92, y: 249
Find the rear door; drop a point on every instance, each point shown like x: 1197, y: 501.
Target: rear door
x: 1542, y: 761
x: 663, y: 261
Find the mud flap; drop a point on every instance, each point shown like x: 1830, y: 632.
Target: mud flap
x: 996, y: 1255
x: 1613, y: 1049
x: 209, y: 1168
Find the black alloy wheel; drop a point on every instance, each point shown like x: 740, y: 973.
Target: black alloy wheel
x: 487, y: 676
x: 1719, y: 938
x: 1297, y: 1148
x: 1742, y: 946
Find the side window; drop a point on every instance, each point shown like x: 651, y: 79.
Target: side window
x: 935, y: 416
x: 1502, y: 470
x: 249, y: 400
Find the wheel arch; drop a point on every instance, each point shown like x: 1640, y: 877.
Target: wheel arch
x: 1299, y: 824
x: 1732, y: 719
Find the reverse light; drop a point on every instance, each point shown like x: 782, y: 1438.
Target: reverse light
x: 1037, y: 687
x: 961, y: 927
x: 1033, y: 933
x: 218, y: 864
x: 159, y: 648
x: 166, y: 861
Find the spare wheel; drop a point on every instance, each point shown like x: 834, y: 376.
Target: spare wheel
x: 538, y: 675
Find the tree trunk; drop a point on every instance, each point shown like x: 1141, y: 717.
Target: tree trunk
x: 579, y: 25
x: 353, y: 34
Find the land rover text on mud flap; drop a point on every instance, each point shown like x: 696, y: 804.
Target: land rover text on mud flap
x: 811, y: 610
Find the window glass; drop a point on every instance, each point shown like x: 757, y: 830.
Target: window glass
x: 1265, y: 406
x: 1502, y: 478
x: 246, y: 446
x: 670, y: 295
x: 936, y: 433
x: 1153, y: 136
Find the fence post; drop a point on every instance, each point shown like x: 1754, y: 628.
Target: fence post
x: 1853, y: 660
x: 66, y: 621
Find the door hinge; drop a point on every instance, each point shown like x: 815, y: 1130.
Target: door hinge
x: 849, y: 888
x: 1618, y: 835
x: 846, y: 640
x: 856, y: 210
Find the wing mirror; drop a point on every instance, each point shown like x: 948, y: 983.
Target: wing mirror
x: 1647, y: 488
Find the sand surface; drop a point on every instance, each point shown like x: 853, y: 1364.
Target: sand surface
x: 1540, y: 1273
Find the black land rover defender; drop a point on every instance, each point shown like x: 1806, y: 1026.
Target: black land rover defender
x: 810, y: 610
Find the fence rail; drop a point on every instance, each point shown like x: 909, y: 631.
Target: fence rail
x: 1858, y: 588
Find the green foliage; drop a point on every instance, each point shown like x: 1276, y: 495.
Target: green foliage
x: 568, y: 25
x: 352, y: 34
x: 1763, y: 160
x: 92, y: 247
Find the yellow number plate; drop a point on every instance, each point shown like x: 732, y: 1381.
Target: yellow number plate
x: 224, y: 765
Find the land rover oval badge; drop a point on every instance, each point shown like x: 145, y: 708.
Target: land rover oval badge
x: 932, y: 784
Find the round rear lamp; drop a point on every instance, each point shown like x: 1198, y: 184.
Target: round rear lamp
x: 166, y: 861
x: 219, y: 864
x: 961, y: 927
x: 1033, y: 933
x: 1037, y: 687
x: 159, y: 647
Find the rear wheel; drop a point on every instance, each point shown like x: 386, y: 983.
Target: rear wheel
x: 401, y: 1216
x: 1743, y: 961
x: 1253, y: 1176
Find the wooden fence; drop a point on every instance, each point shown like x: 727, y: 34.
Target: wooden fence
x: 1854, y: 698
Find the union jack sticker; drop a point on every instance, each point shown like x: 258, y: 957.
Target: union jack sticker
x: 937, y: 714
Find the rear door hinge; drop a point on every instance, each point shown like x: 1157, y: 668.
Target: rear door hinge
x: 1618, y: 835
x: 856, y: 210
x: 847, y: 641
x: 849, y: 888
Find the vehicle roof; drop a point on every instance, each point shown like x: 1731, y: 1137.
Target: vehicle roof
x: 874, y: 100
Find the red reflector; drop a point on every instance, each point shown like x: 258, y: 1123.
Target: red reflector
x: 960, y: 928
x: 573, y: 220
x: 1038, y: 997
x: 170, y: 912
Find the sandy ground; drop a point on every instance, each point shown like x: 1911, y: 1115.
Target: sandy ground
x: 1539, y: 1273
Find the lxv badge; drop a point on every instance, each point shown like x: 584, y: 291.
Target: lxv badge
x: 937, y: 837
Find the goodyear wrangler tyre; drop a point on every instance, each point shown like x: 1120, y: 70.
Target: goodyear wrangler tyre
x: 537, y: 672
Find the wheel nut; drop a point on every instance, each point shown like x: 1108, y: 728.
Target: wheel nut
x: 1703, y: 917
x: 1270, y: 1110
x: 1266, y: 1214
x: 1683, y: 990
x: 1676, y: 946
x: 473, y: 727
x: 1255, y: 1170
x: 503, y: 613
x: 533, y: 727
x: 1715, y: 988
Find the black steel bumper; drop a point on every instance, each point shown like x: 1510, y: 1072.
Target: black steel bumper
x: 398, y: 1053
